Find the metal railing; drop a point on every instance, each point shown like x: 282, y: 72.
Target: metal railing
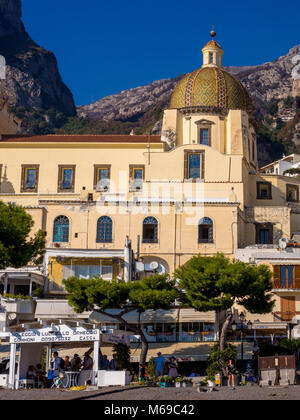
x: 177, y: 338
x: 285, y: 316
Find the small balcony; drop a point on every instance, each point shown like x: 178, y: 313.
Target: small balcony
x: 19, y: 306
x: 18, y: 310
x: 286, y: 285
x: 286, y: 316
x: 184, y: 337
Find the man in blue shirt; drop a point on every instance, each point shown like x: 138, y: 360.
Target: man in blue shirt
x: 57, y: 364
x: 159, y: 365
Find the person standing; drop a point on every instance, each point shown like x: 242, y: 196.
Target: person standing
x: 76, y: 363
x: 231, y: 372
x: 67, y: 363
x: 113, y: 365
x: 159, y: 365
x: 87, y: 362
x: 173, y: 365
x: 142, y: 372
x: 57, y: 364
x: 105, y: 363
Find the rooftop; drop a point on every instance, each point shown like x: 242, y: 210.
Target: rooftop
x: 89, y: 138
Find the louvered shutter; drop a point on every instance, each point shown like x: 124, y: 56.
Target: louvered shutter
x: 276, y: 276
x: 297, y: 276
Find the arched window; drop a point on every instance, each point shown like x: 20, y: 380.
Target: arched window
x: 150, y: 230
x: 61, y: 229
x: 206, y: 231
x: 104, y: 230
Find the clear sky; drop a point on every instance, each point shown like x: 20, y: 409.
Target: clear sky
x: 104, y: 47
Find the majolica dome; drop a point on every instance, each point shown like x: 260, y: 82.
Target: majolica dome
x: 211, y: 86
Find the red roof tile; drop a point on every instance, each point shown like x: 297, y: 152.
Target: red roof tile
x: 79, y: 138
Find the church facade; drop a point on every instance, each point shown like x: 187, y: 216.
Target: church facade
x: 129, y: 206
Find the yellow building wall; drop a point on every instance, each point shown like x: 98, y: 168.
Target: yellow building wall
x: 227, y: 195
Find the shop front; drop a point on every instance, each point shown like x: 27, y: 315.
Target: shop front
x: 32, y: 342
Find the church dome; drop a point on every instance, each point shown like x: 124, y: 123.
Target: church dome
x: 211, y: 87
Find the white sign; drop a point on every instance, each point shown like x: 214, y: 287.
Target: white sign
x: 55, y: 334
x: 115, y: 338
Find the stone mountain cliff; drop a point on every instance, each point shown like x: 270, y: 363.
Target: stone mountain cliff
x: 265, y: 83
x: 32, y: 76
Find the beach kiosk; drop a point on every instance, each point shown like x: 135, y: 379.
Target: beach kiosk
x: 33, y: 340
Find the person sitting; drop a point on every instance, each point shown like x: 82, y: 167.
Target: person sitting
x: 31, y: 373
x: 41, y: 375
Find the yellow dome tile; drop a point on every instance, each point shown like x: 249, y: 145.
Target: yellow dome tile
x: 211, y: 87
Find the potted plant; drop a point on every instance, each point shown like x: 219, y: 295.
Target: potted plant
x: 187, y: 383
x: 161, y: 381
x: 170, y: 381
x: 151, y: 382
x: 179, y: 382
x: 38, y: 293
x: 211, y: 381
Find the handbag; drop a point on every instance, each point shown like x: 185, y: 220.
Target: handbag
x: 50, y: 375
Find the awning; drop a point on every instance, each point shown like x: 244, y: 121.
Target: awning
x: 189, y: 352
x: 159, y: 316
x: 269, y: 326
x: 191, y: 315
x: 133, y: 317
x: 23, y: 274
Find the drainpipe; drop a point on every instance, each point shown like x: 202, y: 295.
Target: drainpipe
x: 127, y: 255
x: 232, y: 233
x: 5, y: 282
x: 30, y: 285
x: 138, y: 253
x: 175, y: 236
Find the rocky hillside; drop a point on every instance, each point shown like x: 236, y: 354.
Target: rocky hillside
x: 275, y: 95
x: 266, y: 83
x: 129, y: 102
x: 32, y: 76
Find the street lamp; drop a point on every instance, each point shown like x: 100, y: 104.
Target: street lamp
x: 242, y: 326
x: 234, y: 326
x: 242, y: 317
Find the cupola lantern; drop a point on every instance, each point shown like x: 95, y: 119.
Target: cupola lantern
x: 212, y: 53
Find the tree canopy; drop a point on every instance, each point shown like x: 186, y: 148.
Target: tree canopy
x: 156, y: 292
x: 217, y: 283
x: 17, y: 248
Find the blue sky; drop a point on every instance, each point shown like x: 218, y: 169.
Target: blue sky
x: 104, y: 47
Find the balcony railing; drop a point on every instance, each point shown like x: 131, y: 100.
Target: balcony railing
x: 177, y: 338
x: 285, y: 316
x: 295, y: 284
